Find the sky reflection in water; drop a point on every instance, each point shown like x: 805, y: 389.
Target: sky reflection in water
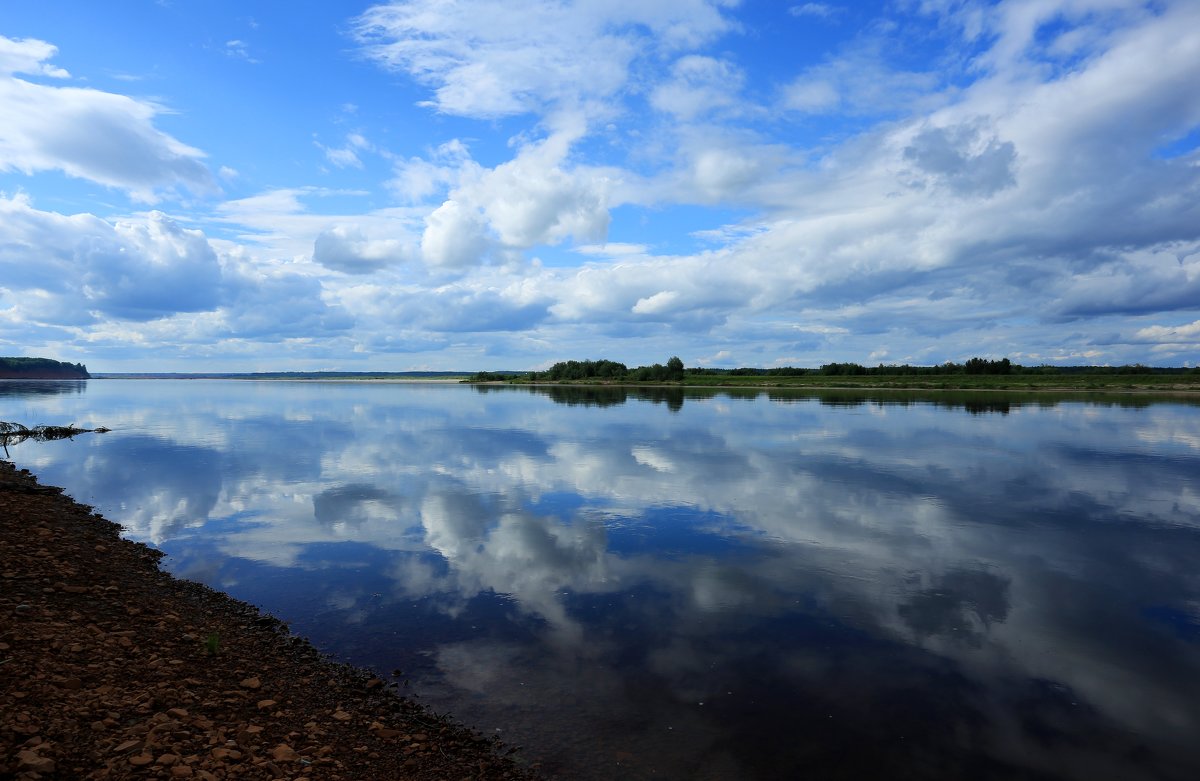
x: 694, y: 585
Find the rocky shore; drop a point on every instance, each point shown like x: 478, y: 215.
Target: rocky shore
x: 110, y: 668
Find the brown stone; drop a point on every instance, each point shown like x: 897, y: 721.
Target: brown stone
x: 284, y: 753
x: 31, y: 760
x: 251, y: 683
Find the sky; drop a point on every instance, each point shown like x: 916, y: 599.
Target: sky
x: 474, y: 184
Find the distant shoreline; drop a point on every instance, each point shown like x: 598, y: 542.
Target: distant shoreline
x: 424, y: 377
x: 1182, y: 385
x: 1083, y: 384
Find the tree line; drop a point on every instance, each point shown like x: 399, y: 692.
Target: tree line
x: 41, y: 369
x: 602, y: 370
x: 674, y: 371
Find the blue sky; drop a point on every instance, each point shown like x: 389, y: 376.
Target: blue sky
x: 459, y: 184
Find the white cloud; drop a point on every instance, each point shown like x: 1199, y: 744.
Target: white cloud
x: 698, y: 85
x: 86, y: 133
x: 819, y: 10
x: 28, y: 56
x: 1187, y: 334
x: 283, y: 223
x: 146, y: 282
x: 859, y: 82
x: 814, y: 93
x: 662, y: 301
x: 346, y: 248
x: 454, y: 236
x: 238, y: 50
x: 130, y: 270
x: 419, y: 178
x: 612, y: 249
x: 155, y: 269
x: 347, y: 156
x: 489, y: 60
x: 529, y: 200
x: 275, y: 305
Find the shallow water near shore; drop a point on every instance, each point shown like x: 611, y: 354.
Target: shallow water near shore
x: 670, y: 584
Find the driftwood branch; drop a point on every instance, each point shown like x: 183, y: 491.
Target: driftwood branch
x: 13, y: 433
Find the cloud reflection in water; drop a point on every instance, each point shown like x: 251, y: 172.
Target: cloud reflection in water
x: 702, y: 585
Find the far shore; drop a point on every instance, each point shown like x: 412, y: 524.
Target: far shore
x: 456, y: 379
x: 1181, y: 385
x: 1185, y: 389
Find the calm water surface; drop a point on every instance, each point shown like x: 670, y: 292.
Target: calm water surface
x: 709, y: 586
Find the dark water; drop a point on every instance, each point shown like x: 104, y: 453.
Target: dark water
x: 670, y: 585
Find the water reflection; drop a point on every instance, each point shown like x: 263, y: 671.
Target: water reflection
x: 14, y: 388
x: 667, y: 583
x: 975, y: 402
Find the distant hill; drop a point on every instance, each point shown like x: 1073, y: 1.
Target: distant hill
x: 41, y: 369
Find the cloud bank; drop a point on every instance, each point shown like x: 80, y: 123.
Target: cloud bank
x: 934, y: 183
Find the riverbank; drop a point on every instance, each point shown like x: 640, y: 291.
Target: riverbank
x: 111, y: 668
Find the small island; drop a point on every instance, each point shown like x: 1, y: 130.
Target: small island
x: 41, y: 369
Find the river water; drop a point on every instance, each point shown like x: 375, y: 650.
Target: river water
x: 707, y: 585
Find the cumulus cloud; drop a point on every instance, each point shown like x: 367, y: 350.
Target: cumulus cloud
x: 454, y: 236
x: 535, y: 198
x: 271, y: 306
x: 141, y: 283
x: 153, y: 269
x: 130, y: 270
x: 29, y: 56
x: 478, y: 303
x: 346, y: 248
x: 1188, y: 333
x: 289, y: 222
x: 86, y: 133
